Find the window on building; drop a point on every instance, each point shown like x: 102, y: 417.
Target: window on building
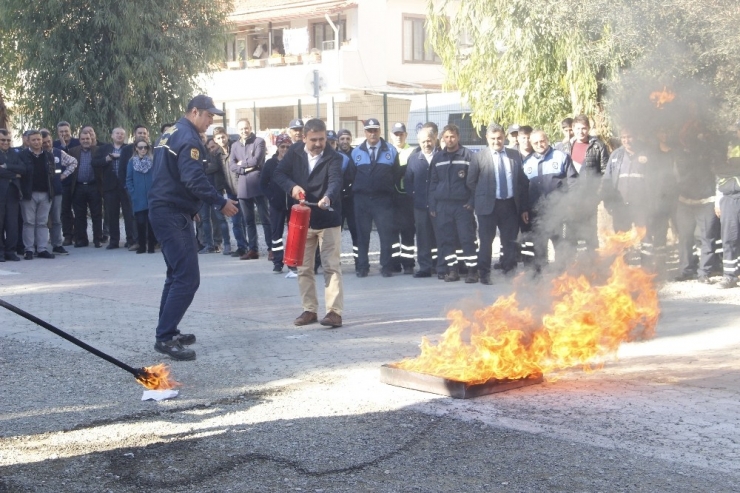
x: 416, y: 48
x: 236, y: 47
x: 322, y: 34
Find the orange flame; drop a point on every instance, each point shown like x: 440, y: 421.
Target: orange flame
x: 584, y: 324
x: 157, y: 377
x: 660, y: 98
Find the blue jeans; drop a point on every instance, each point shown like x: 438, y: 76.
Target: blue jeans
x: 207, y: 225
x: 247, y: 206
x: 175, y: 233
x: 237, y: 226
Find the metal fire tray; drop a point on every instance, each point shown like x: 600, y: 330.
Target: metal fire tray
x: 392, y: 375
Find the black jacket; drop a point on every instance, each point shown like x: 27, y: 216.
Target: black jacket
x: 448, y: 176
x: 110, y: 180
x: 324, y: 181
x: 275, y: 195
x: 26, y: 157
x: 10, y: 167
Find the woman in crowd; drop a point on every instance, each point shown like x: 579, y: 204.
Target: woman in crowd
x: 138, y: 182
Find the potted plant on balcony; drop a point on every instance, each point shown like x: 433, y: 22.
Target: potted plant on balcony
x: 292, y: 59
x: 235, y: 64
x: 276, y: 59
x: 314, y: 56
x: 256, y: 62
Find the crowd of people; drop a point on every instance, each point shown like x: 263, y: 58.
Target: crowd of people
x: 437, y: 206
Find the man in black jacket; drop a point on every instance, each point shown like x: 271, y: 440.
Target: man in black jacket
x: 11, y: 170
x: 312, y: 171
x: 37, y: 192
x: 115, y: 197
x: 590, y: 158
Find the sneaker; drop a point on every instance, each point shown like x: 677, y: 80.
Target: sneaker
x: 185, y: 339
x: 133, y: 247
x: 291, y: 274
x: 207, y: 250
x: 306, y: 318
x: 227, y: 250
x: 332, y: 319
x: 175, y: 350
x: 704, y: 279
x: 60, y: 250
x: 727, y: 283
x: 45, y: 254
x: 28, y: 256
x: 277, y: 269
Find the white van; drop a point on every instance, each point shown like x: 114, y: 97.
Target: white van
x: 443, y: 109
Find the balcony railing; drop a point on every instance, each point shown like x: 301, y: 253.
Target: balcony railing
x: 274, y: 61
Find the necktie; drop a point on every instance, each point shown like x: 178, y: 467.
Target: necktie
x: 372, y: 154
x: 504, y: 187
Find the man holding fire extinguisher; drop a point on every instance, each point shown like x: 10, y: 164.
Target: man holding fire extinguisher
x: 311, y: 172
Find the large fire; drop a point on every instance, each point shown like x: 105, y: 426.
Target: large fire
x: 156, y: 377
x: 660, y: 98
x: 584, y: 323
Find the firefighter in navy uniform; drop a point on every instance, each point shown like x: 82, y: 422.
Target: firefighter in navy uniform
x: 178, y: 187
x: 344, y: 147
x: 548, y: 170
x: 403, y: 208
x: 451, y: 203
x: 373, y: 171
x: 728, y: 209
x: 695, y: 211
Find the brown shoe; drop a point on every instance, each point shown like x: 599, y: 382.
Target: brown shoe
x: 250, y: 255
x: 306, y: 318
x: 332, y: 320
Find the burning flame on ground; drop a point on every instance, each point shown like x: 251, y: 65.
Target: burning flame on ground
x: 584, y: 324
x: 156, y: 377
x: 660, y: 98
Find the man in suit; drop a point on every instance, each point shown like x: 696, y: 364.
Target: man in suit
x: 85, y: 193
x: 313, y: 172
x: 500, y: 192
x: 115, y: 196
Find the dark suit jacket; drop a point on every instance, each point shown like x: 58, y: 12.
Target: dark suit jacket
x: 482, y: 177
x: 324, y: 180
x: 111, y: 180
x: 75, y: 153
x: 9, y: 173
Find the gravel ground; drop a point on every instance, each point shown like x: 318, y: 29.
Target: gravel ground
x: 267, y: 407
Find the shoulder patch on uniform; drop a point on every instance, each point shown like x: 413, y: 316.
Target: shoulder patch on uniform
x: 357, y: 158
x: 194, y: 153
x: 388, y: 156
x: 555, y: 165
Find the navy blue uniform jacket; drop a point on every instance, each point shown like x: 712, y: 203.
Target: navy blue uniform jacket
x: 324, y: 180
x: 179, y: 181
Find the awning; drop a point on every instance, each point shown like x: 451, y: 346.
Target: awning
x: 247, y: 12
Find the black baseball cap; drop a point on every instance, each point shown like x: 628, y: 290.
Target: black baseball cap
x: 203, y: 102
x: 372, y: 123
x: 344, y: 131
x: 296, y: 124
x: 399, y: 128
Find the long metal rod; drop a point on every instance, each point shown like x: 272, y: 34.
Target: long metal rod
x: 72, y: 339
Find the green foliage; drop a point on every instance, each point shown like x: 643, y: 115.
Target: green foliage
x: 537, y: 62
x: 107, y: 63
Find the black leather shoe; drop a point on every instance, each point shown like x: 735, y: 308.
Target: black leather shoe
x: 98, y: 244
x: 81, y: 244
x: 485, y: 279
x: 185, y: 339
x: 28, y: 256
x: 12, y: 257
x: 422, y: 273
x: 175, y: 350
x: 361, y: 273
x: 112, y: 246
x: 386, y: 273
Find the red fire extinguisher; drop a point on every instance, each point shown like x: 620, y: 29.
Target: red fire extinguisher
x: 300, y: 216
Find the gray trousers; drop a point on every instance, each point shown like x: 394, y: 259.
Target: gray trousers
x: 35, y: 213
x: 56, y: 221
